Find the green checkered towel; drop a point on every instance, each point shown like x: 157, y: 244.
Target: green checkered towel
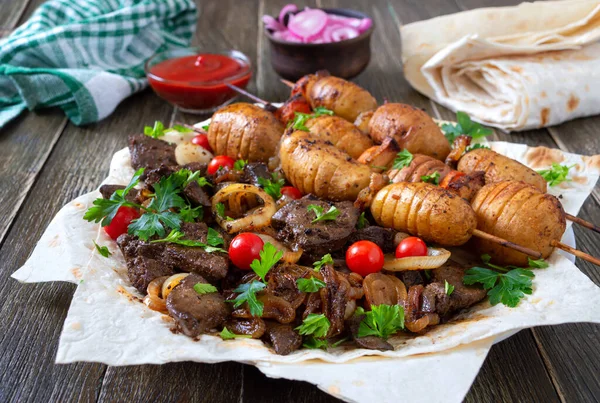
x: 87, y: 56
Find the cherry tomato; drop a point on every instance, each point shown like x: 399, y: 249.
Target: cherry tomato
x: 118, y: 226
x: 202, y: 141
x: 364, y: 257
x: 411, y: 246
x: 244, y: 248
x: 291, y: 192
x: 220, y: 161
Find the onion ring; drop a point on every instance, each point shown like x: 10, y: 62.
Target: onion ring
x: 171, y: 282
x: 154, y: 298
x: 259, y: 217
x: 289, y: 256
x: 434, y: 259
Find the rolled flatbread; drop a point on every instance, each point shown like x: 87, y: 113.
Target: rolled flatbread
x: 515, y: 68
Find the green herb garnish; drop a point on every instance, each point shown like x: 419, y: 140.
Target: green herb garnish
x: 464, y: 126
x: 202, y: 288
x: 449, y: 288
x: 155, y: 132
x: 316, y: 325
x: 272, y: 187
x: 312, y: 284
x: 226, y: 334
x: 239, y: 165
x: 362, y: 221
x: 210, y: 246
x: 102, y: 250
x: 381, y: 321
x: 557, y: 174
x: 326, y: 259
x: 403, y: 159
x: 330, y: 215
x: 433, y: 178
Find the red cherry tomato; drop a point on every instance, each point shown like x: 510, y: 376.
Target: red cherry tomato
x: 219, y: 161
x: 291, y: 192
x: 244, y: 248
x: 202, y: 141
x: 118, y: 226
x: 364, y: 257
x: 411, y: 246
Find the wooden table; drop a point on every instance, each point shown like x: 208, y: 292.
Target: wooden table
x: 45, y: 161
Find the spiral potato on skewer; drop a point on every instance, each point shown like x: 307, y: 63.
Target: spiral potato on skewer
x: 341, y: 133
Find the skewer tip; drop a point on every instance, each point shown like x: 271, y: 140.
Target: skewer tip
x: 287, y: 82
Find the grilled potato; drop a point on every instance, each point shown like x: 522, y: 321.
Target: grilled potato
x: 344, y: 98
x: 498, y: 168
x: 518, y: 212
x: 421, y: 165
x: 314, y: 166
x: 362, y: 121
x: 412, y: 128
x: 426, y: 211
x: 341, y: 133
x: 244, y: 131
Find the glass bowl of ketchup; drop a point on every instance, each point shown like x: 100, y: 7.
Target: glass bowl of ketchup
x: 195, y: 80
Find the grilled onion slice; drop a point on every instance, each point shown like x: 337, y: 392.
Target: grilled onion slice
x: 434, y: 259
x: 289, y: 256
x: 255, y: 218
x: 154, y: 300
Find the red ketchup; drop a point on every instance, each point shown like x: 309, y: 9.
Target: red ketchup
x: 197, y: 83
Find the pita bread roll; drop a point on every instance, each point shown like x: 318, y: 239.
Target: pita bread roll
x: 515, y: 68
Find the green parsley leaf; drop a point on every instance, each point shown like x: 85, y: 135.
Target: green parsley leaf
x: 449, y: 288
x: 557, y: 174
x: 104, y: 210
x: 381, y: 321
x: 102, y: 250
x: 247, y: 294
x: 300, y: 119
x: 220, y: 207
x: 314, y: 324
x: 507, y: 288
x: 464, y: 126
x: 537, y: 264
x: 189, y: 214
x: 475, y: 147
x: 326, y: 259
x: 433, y: 178
x: 213, y: 238
x: 155, y: 132
x: 312, y: 342
x: 206, y: 127
x: 272, y: 187
x: 226, y: 334
x: 181, y: 129
x: 403, y: 159
x: 177, y: 238
x: 239, y: 165
x: 362, y: 221
x: 193, y: 177
x: 312, y: 284
x: 269, y: 256
x: 330, y: 215
x: 202, y: 288
x: 166, y: 194
x: 321, y: 110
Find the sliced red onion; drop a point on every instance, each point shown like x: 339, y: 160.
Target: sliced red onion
x: 343, y: 33
x: 308, y: 24
x: 286, y: 36
x: 348, y: 21
x: 290, y: 8
x: 365, y: 24
x: 272, y: 24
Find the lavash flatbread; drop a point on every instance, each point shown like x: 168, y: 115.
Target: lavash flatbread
x: 516, y: 68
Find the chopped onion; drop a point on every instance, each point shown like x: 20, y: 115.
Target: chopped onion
x: 434, y: 259
x: 308, y: 24
x: 289, y: 256
x: 254, y: 219
x: 272, y: 23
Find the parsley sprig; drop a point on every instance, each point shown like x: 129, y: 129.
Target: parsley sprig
x: 475, y: 147
x: 433, y: 178
x: 272, y: 187
x: 227, y: 334
x: 403, y: 159
x: 213, y: 241
x: 448, y: 288
x: 269, y: 256
x: 326, y: 259
x: 316, y: 325
x: 381, y: 321
x: 321, y: 215
x: 159, y: 129
x: 507, y: 285
x: 203, y: 288
x: 300, y: 119
x: 464, y: 126
x: 362, y: 221
x: 557, y: 174
x: 102, y: 250
x: 239, y: 164
x: 311, y: 284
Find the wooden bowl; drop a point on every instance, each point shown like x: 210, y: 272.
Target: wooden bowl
x: 344, y: 59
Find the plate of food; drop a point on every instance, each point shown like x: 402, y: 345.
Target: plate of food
x: 327, y: 239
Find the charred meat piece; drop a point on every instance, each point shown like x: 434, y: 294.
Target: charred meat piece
x: 274, y: 307
x: 283, y: 338
x: 411, y: 277
x: 368, y: 342
x: 462, y: 297
x: 195, y: 313
x: 295, y: 226
x: 107, y: 191
x: 197, y: 195
x: 144, y: 261
x: 383, y: 237
x: 255, y: 170
x: 418, y: 310
x: 282, y: 283
x: 148, y: 152
x: 334, y: 296
x: 212, y: 266
x: 153, y: 175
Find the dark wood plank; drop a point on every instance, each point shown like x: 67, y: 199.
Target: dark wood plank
x: 12, y: 13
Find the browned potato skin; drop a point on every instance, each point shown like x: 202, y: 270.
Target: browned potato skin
x: 498, y: 168
x: 244, y: 131
x: 412, y: 128
x: 362, y: 121
x: 520, y: 213
x: 421, y: 165
x: 341, y: 133
x: 344, y: 98
x: 426, y: 211
x: 314, y: 166
x: 378, y: 158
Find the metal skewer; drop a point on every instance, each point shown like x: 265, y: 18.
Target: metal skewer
x: 268, y: 105
x: 196, y: 129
